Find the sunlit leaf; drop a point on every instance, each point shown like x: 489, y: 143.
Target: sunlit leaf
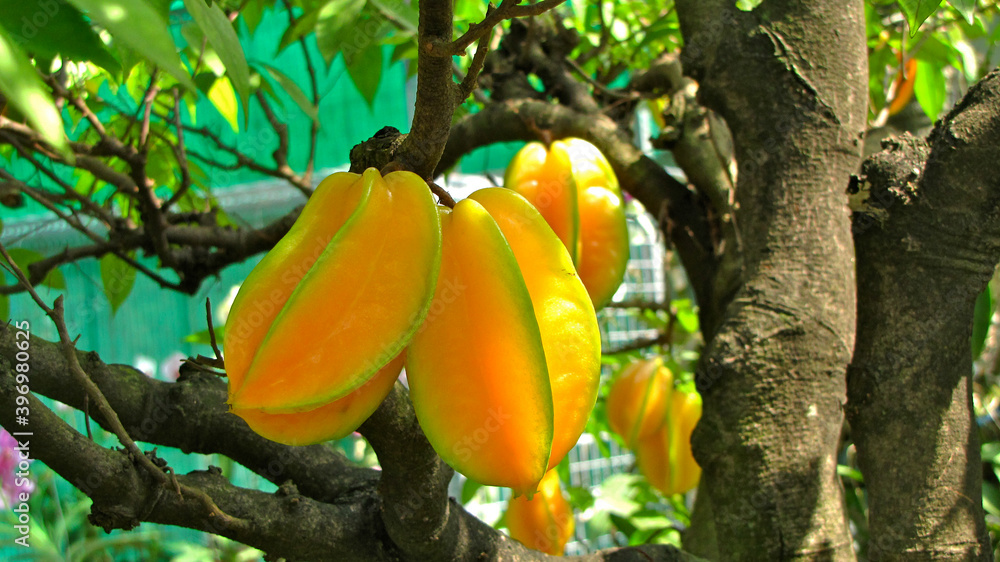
x: 141, y: 27
x: 47, y: 28
x: 930, y: 88
x: 917, y: 11
x: 747, y: 5
x: 20, y: 83
x: 223, y: 97
x: 117, y: 278
x: 337, y: 29
x: 222, y: 37
x: 965, y: 7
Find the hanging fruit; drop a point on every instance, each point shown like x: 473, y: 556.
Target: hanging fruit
x: 574, y: 188
x: 656, y: 420
x: 334, y: 301
x: 544, y: 522
x: 503, y: 373
x: 638, y: 400
x: 502, y: 344
x: 665, y: 457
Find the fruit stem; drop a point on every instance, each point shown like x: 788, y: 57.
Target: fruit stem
x: 443, y: 196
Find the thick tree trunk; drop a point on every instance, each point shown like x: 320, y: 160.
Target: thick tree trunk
x: 790, y: 80
x: 928, y: 239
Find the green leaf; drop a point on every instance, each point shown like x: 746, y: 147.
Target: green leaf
x: 469, y: 489
x: 580, y: 498
x: 47, y: 28
x: 251, y: 14
x: 334, y: 26
x: 917, y: 11
x: 222, y: 37
x: 848, y: 472
x: 20, y: 83
x: 981, y: 320
x: 223, y: 97
x: 4, y: 308
x: 23, y: 258
x: 118, y: 278
x: 747, y: 5
x: 293, y: 91
x: 930, y: 89
x: 991, y: 499
x: 965, y: 7
x: 137, y: 24
x: 365, y: 70
x: 205, y: 338
x: 303, y: 25
x: 990, y: 452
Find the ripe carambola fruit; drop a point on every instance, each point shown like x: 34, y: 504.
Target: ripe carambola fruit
x: 574, y: 188
x: 566, y: 318
x: 545, y: 522
x: 503, y: 372
x: 476, y: 368
x: 665, y: 457
x: 337, y: 298
x: 545, y: 178
x: 333, y: 420
x: 638, y: 400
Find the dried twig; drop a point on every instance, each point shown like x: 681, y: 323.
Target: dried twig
x: 93, y: 393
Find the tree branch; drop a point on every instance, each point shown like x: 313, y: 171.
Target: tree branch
x: 508, y: 9
x: 437, y: 94
x: 927, y: 242
x: 326, y: 508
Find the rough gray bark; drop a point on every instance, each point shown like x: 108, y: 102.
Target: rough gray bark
x: 789, y: 79
x: 928, y: 239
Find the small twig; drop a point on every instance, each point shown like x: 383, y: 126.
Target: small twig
x: 76, y: 224
x: 85, y: 202
x: 55, y: 313
x: 211, y: 329
x: 147, y: 104
x: 661, y: 339
x: 180, y: 152
x: 314, y: 125
x: 242, y: 160
x: 280, y: 154
x: 605, y: 36
x: 508, y: 9
x: 478, y: 60
x: 86, y: 416
x: 644, y: 305
x: 443, y: 196
x: 593, y: 82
